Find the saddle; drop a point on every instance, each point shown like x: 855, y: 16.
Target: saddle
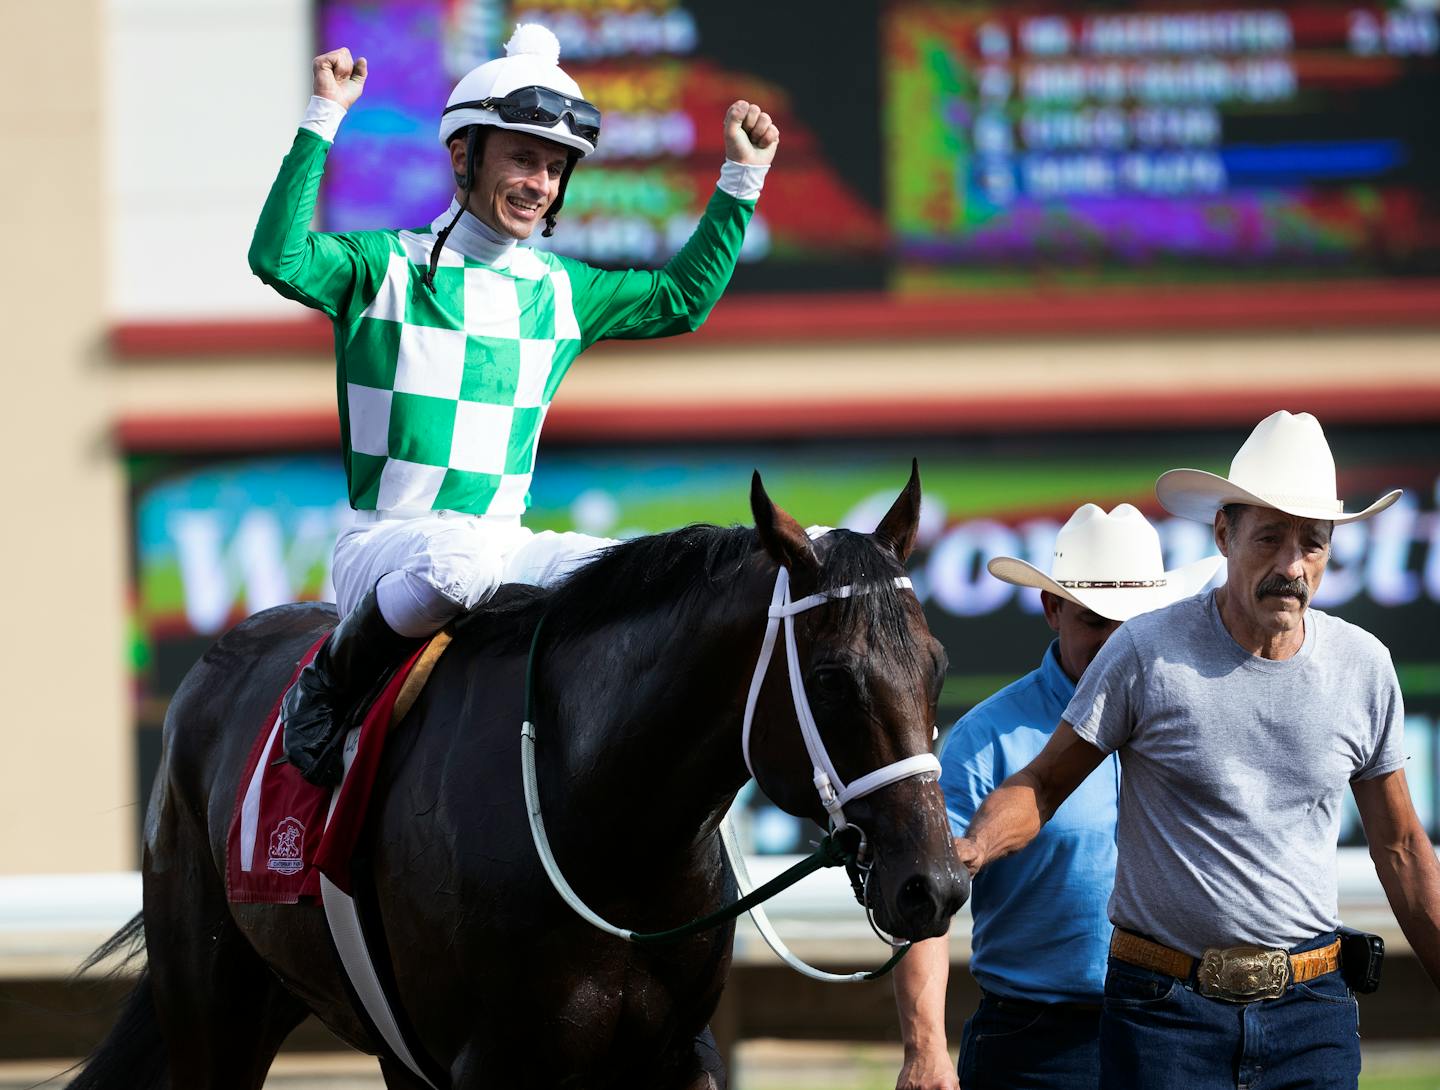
x: 281, y: 839
x: 291, y: 841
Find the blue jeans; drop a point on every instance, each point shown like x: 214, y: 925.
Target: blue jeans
x: 1159, y: 1033
x: 1011, y: 1044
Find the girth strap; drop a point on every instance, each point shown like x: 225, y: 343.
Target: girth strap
x: 340, y: 910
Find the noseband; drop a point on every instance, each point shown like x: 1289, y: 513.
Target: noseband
x: 834, y: 792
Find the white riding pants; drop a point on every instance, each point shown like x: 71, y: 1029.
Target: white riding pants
x: 428, y: 569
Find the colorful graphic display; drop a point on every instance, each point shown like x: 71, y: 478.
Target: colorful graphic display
x: 663, y: 74
x: 218, y: 541
x: 1210, y: 141
x: 942, y: 145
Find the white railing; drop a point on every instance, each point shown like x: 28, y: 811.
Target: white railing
x: 49, y: 923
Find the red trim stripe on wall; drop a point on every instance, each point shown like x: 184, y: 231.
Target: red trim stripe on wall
x: 750, y: 420
x: 875, y: 316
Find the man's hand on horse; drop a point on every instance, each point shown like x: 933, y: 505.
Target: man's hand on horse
x: 338, y: 77
x: 750, y: 136
x: 968, y: 853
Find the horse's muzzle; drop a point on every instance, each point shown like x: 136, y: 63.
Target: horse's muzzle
x: 924, y: 904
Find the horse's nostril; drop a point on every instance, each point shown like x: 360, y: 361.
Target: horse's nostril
x: 917, y: 898
x: 923, y: 901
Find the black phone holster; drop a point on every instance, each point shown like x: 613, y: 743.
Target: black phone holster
x: 1361, y: 957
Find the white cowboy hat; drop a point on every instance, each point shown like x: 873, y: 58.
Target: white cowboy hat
x: 1286, y: 464
x: 1109, y: 564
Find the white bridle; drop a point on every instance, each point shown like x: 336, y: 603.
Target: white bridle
x: 834, y: 792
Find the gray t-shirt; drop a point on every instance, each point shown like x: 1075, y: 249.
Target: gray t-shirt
x: 1234, y: 771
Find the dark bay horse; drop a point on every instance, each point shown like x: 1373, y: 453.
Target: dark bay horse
x: 643, y: 676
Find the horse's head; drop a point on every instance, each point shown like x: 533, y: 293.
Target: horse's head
x: 871, y: 674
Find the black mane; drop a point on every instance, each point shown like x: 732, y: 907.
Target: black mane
x: 644, y: 574
x: 625, y: 580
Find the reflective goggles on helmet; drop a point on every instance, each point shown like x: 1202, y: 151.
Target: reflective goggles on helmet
x: 541, y: 106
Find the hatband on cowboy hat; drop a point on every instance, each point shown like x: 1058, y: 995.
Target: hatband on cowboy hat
x: 1285, y: 464
x: 1110, y: 564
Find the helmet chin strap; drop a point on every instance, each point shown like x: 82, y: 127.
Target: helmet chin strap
x: 559, y: 202
x: 834, y: 792
x: 472, y: 142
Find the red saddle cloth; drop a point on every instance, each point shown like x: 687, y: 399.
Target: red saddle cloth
x: 279, y: 842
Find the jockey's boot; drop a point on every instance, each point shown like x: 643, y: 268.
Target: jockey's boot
x: 317, y: 708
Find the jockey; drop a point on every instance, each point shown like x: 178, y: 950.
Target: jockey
x: 450, y: 341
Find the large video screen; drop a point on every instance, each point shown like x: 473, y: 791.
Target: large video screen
x: 663, y: 75
x: 219, y: 539
x: 1186, y: 142
x: 934, y: 147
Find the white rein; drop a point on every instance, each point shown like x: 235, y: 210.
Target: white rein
x: 833, y: 791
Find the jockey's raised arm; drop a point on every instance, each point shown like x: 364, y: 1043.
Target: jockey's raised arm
x: 452, y: 338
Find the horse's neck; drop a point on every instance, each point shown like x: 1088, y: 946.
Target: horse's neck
x: 652, y: 714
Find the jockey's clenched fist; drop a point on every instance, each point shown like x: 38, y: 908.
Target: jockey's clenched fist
x: 338, y: 77
x: 750, y: 135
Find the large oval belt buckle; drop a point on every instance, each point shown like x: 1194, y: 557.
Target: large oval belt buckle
x: 1243, y: 974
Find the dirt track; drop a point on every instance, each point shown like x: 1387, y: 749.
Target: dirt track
x: 764, y: 1065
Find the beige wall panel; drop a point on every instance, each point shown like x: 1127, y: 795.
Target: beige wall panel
x: 204, y: 97
x: 66, y: 778
x: 666, y: 372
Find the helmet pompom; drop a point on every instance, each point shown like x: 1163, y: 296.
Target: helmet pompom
x: 534, y: 40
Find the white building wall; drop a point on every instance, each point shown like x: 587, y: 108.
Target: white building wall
x: 203, y: 99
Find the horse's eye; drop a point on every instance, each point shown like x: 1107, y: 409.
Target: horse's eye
x: 833, y: 682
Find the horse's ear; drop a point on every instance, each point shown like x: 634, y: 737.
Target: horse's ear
x: 780, y: 535
x: 897, y: 529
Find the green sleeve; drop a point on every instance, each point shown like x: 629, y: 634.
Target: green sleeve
x: 662, y: 302
x: 336, y: 274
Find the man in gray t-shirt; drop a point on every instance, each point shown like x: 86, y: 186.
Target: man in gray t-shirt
x: 1235, y: 768
x: 1240, y: 716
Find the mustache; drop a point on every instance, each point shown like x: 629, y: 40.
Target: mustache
x: 1275, y: 586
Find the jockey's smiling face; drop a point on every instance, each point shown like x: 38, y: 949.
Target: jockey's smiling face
x: 516, y: 182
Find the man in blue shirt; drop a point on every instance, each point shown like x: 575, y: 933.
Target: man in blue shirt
x: 1041, y: 932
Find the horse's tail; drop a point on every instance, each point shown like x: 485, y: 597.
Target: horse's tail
x: 132, y: 1056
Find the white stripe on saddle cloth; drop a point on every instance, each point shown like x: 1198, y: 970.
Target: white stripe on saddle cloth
x: 250, y: 807
x: 344, y: 921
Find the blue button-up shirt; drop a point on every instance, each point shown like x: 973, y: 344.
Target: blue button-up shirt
x: 1041, y: 930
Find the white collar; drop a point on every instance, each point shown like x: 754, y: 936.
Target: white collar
x: 474, y: 238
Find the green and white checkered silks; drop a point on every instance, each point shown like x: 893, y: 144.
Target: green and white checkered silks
x: 445, y: 393
x: 442, y: 396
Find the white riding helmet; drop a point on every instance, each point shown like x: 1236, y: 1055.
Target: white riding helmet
x: 532, y: 60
